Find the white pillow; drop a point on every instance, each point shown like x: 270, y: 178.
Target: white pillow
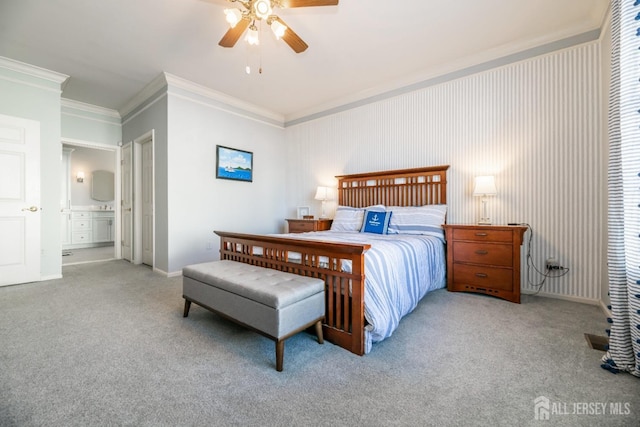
x: 347, y: 219
x: 426, y: 220
x: 350, y: 219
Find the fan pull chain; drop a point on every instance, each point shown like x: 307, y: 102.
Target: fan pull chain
x: 247, y: 69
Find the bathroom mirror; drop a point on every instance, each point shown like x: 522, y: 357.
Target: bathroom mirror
x: 102, y: 186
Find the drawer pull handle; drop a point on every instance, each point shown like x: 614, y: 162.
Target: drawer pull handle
x: 482, y: 234
x: 481, y: 275
x: 482, y: 252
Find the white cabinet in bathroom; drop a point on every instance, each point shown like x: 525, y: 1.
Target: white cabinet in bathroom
x: 90, y: 228
x: 103, y: 226
x: 81, y: 228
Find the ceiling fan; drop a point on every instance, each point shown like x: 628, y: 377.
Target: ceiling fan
x: 262, y: 10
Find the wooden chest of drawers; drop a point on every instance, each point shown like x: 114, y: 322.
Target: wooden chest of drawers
x: 484, y: 259
x: 304, y: 225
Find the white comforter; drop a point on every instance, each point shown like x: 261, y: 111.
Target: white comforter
x: 399, y: 270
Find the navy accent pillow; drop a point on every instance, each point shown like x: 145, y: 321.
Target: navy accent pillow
x: 375, y: 222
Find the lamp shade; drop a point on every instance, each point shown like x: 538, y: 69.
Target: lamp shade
x: 322, y: 193
x: 485, y: 186
x: 233, y: 16
x: 278, y: 29
x: 252, y: 36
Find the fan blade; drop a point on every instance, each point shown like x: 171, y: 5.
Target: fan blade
x: 308, y: 3
x: 292, y: 39
x: 233, y: 34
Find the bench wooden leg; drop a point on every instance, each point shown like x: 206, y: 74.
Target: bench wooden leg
x: 319, y: 332
x: 187, y: 306
x: 279, y: 355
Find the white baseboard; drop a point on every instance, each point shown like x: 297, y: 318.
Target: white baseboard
x: 51, y: 277
x: 563, y: 297
x: 164, y: 273
x: 600, y: 303
x: 604, y: 308
x: 41, y: 279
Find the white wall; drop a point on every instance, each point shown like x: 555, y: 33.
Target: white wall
x: 535, y: 124
x: 33, y: 93
x: 198, y: 202
x: 90, y: 123
x: 153, y: 115
x: 190, y: 203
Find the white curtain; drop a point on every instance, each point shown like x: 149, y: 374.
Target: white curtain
x: 624, y: 190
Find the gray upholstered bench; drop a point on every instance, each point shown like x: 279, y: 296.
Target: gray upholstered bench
x: 274, y: 303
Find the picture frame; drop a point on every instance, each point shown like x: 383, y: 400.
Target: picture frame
x: 234, y: 164
x: 303, y: 211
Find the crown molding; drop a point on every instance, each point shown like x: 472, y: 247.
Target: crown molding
x: 194, y: 88
x: 222, y: 100
x: 494, y: 58
x: 141, y: 97
x: 90, y: 108
x: 606, y: 22
x: 32, y: 70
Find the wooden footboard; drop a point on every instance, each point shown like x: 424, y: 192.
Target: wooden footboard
x: 344, y: 317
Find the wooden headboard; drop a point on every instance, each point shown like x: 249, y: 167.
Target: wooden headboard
x: 403, y: 187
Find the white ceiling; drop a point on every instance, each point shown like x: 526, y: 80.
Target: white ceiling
x: 113, y: 48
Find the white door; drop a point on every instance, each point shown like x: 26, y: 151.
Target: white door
x: 127, y: 201
x: 147, y: 203
x: 19, y: 200
x: 65, y: 198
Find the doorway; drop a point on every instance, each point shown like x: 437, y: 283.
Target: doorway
x: 138, y: 198
x: 90, y: 222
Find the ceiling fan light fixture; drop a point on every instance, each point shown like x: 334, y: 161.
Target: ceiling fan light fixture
x: 243, y: 21
x: 262, y: 8
x: 233, y: 16
x: 278, y: 29
x: 252, y: 36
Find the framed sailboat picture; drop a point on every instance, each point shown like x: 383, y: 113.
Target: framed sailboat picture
x: 235, y: 164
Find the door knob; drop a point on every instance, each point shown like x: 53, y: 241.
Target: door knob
x: 32, y: 209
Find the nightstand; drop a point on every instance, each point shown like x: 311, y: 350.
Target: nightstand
x: 484, y: 259
x: 304, y: 225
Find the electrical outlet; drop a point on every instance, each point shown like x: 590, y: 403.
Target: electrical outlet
x: 553, y: 264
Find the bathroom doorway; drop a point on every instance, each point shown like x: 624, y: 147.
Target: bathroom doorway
x: 89, y: 212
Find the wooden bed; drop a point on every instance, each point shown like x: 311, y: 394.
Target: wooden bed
x: 344, y: 320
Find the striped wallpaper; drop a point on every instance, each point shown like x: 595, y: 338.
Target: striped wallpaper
x: 536, y: 125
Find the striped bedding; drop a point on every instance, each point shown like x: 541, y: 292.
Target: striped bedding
x: 399, y: 271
